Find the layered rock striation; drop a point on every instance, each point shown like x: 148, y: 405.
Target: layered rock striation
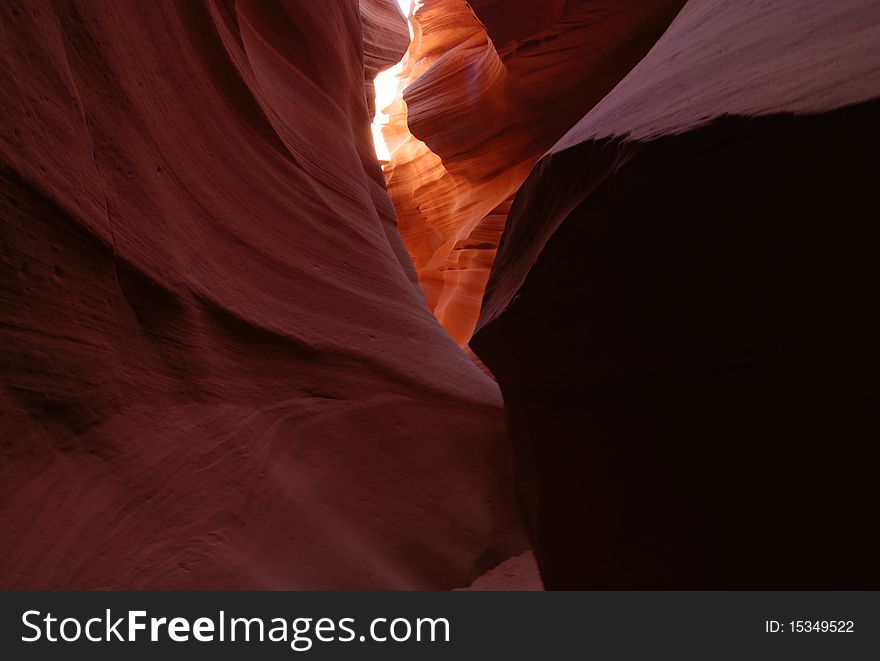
x: 385, y: 38
x: 218, y: 368
x: 485, y: 88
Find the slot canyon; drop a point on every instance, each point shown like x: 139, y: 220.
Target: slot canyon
x: 438, y: 295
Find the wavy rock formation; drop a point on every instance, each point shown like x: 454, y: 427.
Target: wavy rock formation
x: 218, y: 369
x: 679, y: 313
x: 486, y: 88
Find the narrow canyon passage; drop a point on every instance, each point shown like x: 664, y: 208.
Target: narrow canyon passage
x: 675, y: 313
x: 482, y: 91
x: 258, y: 258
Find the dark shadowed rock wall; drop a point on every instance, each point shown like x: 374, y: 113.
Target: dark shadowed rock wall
x: 680, y: 315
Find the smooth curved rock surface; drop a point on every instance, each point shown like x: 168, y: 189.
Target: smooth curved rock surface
x: 480, y: 103
x: 678, y: 312
x: 218, y: 368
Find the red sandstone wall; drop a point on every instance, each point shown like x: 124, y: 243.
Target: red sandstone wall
x: 218, y: 369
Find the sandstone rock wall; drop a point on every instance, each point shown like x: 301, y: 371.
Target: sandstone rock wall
x: 218, y: 369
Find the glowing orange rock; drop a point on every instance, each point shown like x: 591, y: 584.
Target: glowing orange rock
x: 475, y: 112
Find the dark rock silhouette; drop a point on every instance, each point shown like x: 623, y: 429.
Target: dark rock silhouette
x: 679, y: 312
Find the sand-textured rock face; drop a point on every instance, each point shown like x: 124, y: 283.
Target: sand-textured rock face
x: 680, y: 312
x: 486, y: 88
x: 218, y: 368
